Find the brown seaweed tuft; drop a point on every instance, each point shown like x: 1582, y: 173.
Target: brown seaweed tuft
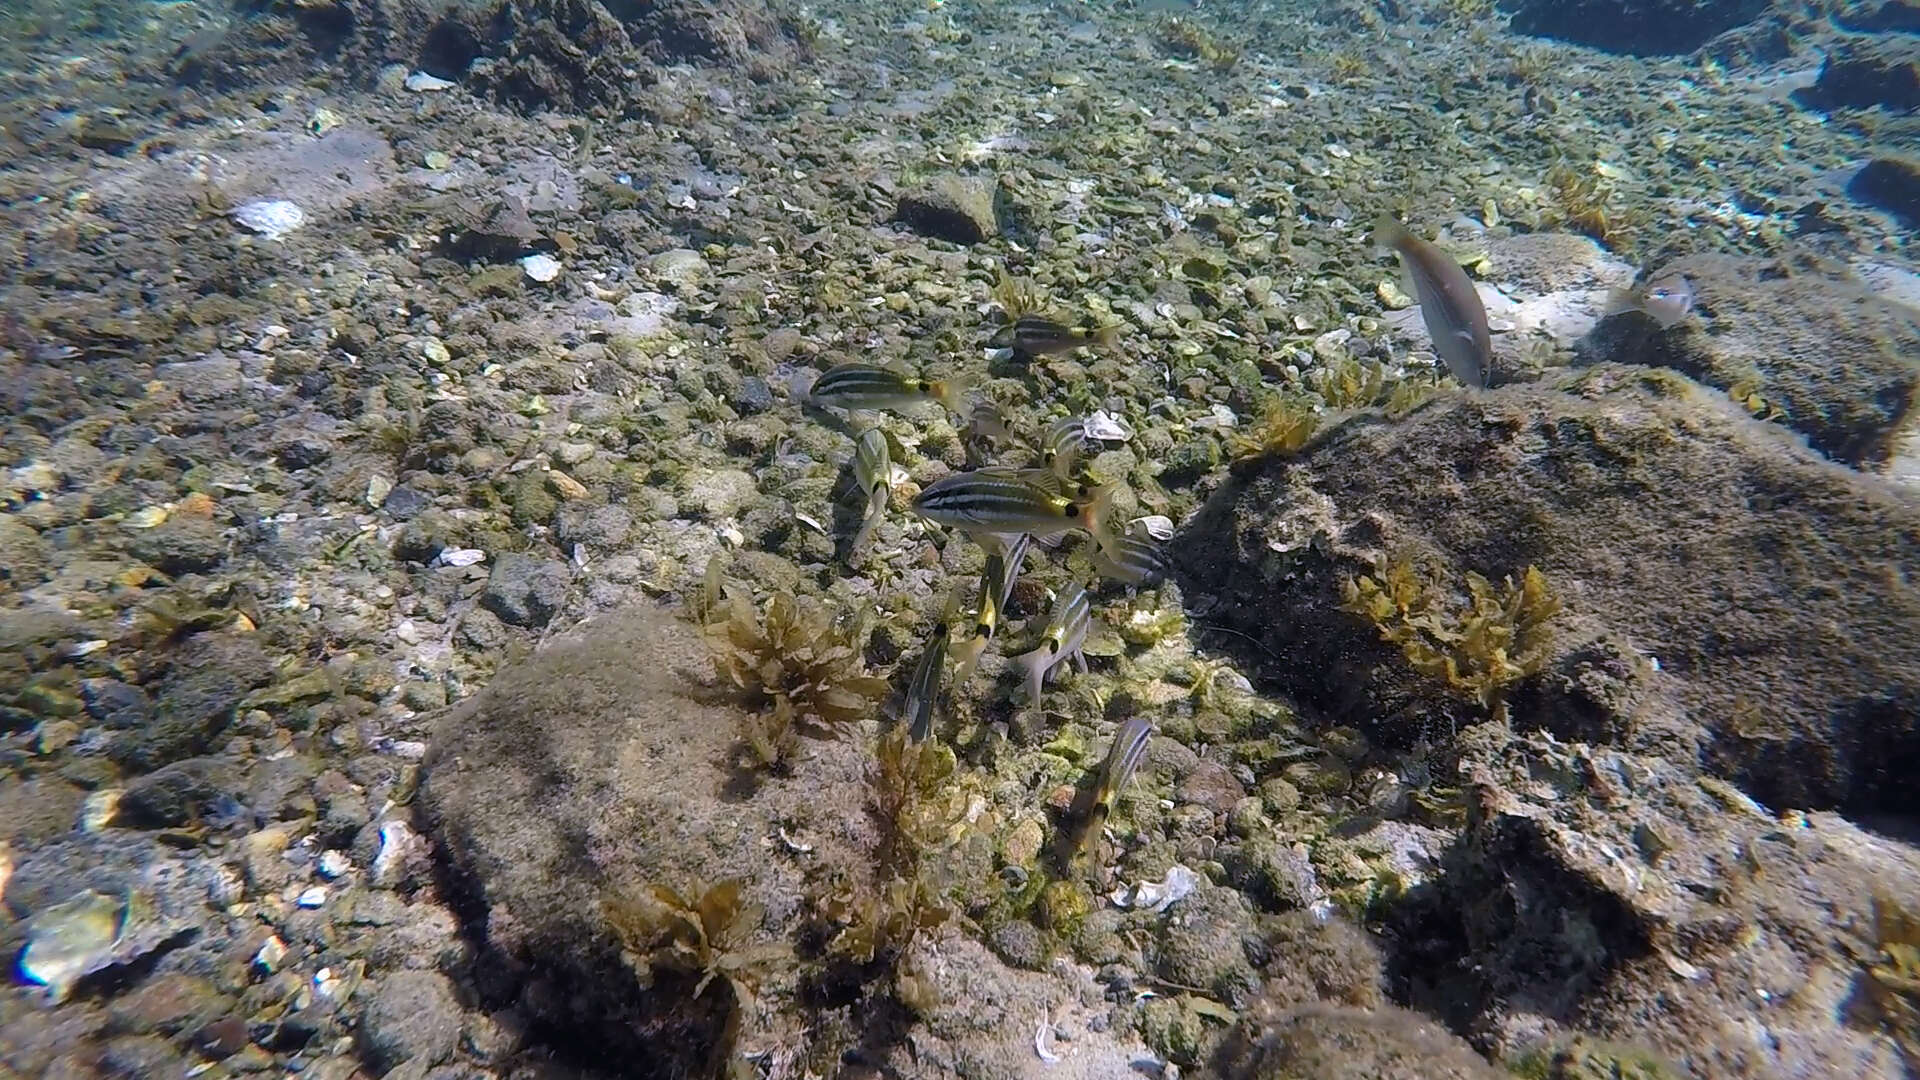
x: 1498, y: 639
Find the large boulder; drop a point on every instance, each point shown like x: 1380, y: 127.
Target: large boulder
x: 1867, y: 70
x: 1634, y: 27
x: 598, y: 769
x: 1814, y: 348
x: 1730, y: 596
x: 1627, y: 897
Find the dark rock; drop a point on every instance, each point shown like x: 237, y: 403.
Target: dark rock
x: 1571, y: 893
x: 137, y: 1057
x: 581, y: 773
x: 1314, y: 959
x: 167, y: 1004
x: 182, y: 544
x: 406, y: 503
x: 1204, y: 943
x: 1900, y: 15
x: 410, y: 1016
x: 114, y: 703
x: 1837, y: 362
x: 754, y: 397
x: 502, y: 232
x: 223, y: 1038
x: 1864, y: 71
x: 1673, y: 525
x: 423, y: 538
x: 24, y: 559
x: 483, y: 630
x: 304, y: 452
x: 346, y: 814
x: 1019, y: 943
x: 1209, y: 784
x: 1633, y: 27
x: 1892, y: 184
x: 1334, y: 1042
x: 174, y: 795
x: 524, y: 590
x: 595, y: 526
x: 953, y: 208
x: 211, y: 673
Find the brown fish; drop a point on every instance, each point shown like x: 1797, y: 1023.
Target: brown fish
x: 1455, y: 317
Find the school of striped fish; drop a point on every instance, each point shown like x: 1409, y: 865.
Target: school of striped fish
x: 1008, y: 509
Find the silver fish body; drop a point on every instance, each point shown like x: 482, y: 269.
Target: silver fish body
x: 1122, y: 760
x: 1130, y: 560
x: 1066, y: 632
x: 873, y: 471
x: 1036, y: 335
x: 1449, y: 304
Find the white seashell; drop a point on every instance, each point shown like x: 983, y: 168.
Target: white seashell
x: 271, y: 953
x: 1156, y: 526
x: 312, y: 897
x: 98, y: 811
x: 1106, y: 427
x: 397, y: 842
x: 271, y: 218
x: 541, y: 268
x: 334, y: 864
x: 462, y: 557
x: 422, y: 83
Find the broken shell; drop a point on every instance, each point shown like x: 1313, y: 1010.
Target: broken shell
x: 149, y: 517
x: 1106, y: 427
x: 462, y: 556
x: 1155, y: 526
x: 271, y: 218
x: 272, y: 952
x: 99, y: 809
x: 422, y: 83
x: 70, y: 940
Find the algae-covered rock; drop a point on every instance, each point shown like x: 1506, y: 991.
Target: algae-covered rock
x: 1816, y: 349
x: 582, y: 775
x: 955, y: 208
x: 1725, y: 591
x: 1626, y: 897
x: 1333, y: 1042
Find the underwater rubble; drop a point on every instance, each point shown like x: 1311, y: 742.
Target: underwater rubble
x: 448, y: 628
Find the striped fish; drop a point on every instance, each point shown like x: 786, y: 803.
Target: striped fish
x: 996, y: 586
x: 1130, y: 560
x: 923, y: 693
x: 865, y: 386
x: 1064, y: 446
x: 991, y: 502
x: 1066, y: 633
x: 1123, y: 759
x: 1036, y: 335
x: 1449, y: 305
x: 873, y: 471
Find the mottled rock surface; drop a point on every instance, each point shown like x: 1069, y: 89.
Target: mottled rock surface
x: 1835, y: 361
x: 954, y: 208
x: 1787, y: 642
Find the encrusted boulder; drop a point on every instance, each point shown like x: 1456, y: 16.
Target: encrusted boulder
x: 1728, y: 596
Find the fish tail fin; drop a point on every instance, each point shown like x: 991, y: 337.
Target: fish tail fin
x: 1107, y: 336
x: 1034, y: 666
x: 876, y: 510
x: 953, y: 393
x: 1095, y: 515
x: 1619, y: 302
x: 966, y: 658
x: 1388, y: 233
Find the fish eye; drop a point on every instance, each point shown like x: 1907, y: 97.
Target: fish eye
x: 1072, y: 511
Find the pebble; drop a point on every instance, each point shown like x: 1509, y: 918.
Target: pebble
x: 540, y: 268
x: 406, y: 503
x: 410, y: 1016
x: 526, y: 591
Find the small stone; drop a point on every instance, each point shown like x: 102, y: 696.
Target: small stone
x: 540, y: 268
x: 304, y: 452
x: 172, y: 796
x: 406, y: 503
x: 526, y: 591
x: 718, y: 493
x: 566, y: 486
x: 681, y: 267
x: 410, y: 1016
x: 437, y: 160
x: 223, y: 1038
x: 754, y: 397
x: 1211, y: 785
x: 312, y: 897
